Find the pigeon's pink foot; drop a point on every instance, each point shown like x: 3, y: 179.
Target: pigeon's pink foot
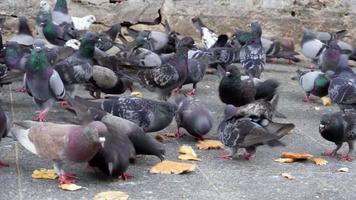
x: 290, y: 62
x: 331, y: 154
x: 191, y: 92
x: 125, y: 176
x: 2, y: 164
x: 274, y: 60
x: 307, y: 100
x: 247, y: 156
x: 63, y: 179
x: 42, y: 116
x: 226, y: 156
x: 63, y: 104
x: 178, y: 133
x: 310, y: 67
x: 70, y: 175
x: 21, y: 89
x: 177, y: 90
x: 346, y: 157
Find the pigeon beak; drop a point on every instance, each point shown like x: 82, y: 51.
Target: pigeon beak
x: 102, y: 141
x: 227, y: 73
x: 321, y: 127
x: 37, y: 49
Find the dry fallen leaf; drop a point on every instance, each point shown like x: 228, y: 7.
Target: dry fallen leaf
x: 296, y: 156
x: 317, y: 108
x: 170, y: 167
x: 343, y: 169
x: 188, y: 157
x: 170, y: 134
x: 285, y: 160
x: 70, y: 187
x: 186, y: 149
x: 210, y: 144
x: 111, y: 195
x: 326, y: 101
x: 136, y: 94
x: 160, y: 137
x: 320, y: 161
x: 288, y: 176
x: 44, y: 174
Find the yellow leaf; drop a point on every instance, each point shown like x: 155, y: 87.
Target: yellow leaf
x: 44, y: 174
x: 160, y: 137
x: 317, y: 108
x: 326, y: 101
x: 185, y: 149
x: 320, y: 161
x: 296, y: 156
x: 188, y: 157
x: 136, y: 94
x: 170, y: 134
x: 111, y: 195
x: 288, y: 176
x: 285, y: 160
x: 70, y: 187
x: 210, y: 144
x: 170, y: 167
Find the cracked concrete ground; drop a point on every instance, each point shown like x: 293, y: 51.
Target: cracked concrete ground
x: 214, y: 178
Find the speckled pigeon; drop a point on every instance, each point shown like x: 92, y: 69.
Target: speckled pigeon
x: 62, y: 143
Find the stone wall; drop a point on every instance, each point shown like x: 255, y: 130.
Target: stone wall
x: 278, y: 18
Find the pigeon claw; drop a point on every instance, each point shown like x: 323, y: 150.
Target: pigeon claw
x: 226, y: 156
x: 63, y: 179
x: 125, y: 176
x: 64, y: 104
x: 2, y: 164
x: 290, y: 62
x: 21, y: 89
x: 177, y: 91
x: 178, y: 133
x: 331, y: 154
x: 346, y: 157
x: 42, y: 116
x: 307, y: 100
x: 247, y: 156
x: 191, y: 92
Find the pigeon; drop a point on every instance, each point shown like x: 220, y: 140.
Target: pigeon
x: 142, y: 142
x: 252, y: 54
x: 170, y: 75
x: 62, y: 143
x: 42, y: 82
x: 60, y: 13
x: 275, y: 48
x: 236, y: 91
x: 208, y: 36
x: 249, y: 132
x: 83, y: 23
x: 15, y: 56
x: 339, y: 127
x: 313, y: 82
x: 57, y: 34
x: 78, y: 68
x: 196, y: 71
x: 332, y: 57
x: 342, y: 88
x: 43, y: 13
x: 193, y: 116
x: 325, y: 37
x: 311, y: 47
x: 8, y: 77
x: 4, y: 129
x: 24, y: 34
x: 107, y: 38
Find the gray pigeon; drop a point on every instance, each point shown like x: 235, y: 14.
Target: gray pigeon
x: 78, y: 68
x: 193, y: 116
x: 313, y: 82
x: 60, y: 13
x: 62, y: 143
x: 43, y: 13
x: 312, y: 48
x: 339, y: 128
x: 249, y: 132
x: 4, y: 129
x: 24, y: 34
x: 325, y: 37
x: 42, y: 82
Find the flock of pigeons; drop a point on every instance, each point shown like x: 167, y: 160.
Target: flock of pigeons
x: 112, y: 131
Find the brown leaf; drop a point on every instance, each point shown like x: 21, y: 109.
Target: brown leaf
x: 288, y: 176
x: 210, y: 144
x: 170, y: 134
x: 320, y: 161
x: 285, y: 160
x: 160, y: 138
x: 111, y: 195
x: 296, y: 156
x: 44, y: 174
x: 70, y: 187
x: 326, y: 101
x: 170, y: 167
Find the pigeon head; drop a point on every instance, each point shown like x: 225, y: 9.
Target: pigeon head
x: 332, y: 125
x: 256, y: 28
x: 38, y: 59
x: 87, y: 44
x: 308, y: 35
x: 229, y: 111
x: 61, y: 5
x: 90, y: 19
x: 38, y: 45
x: 44, y: 5
x: 73, y: 43
x: 186, y: 42
x: 232, y: 71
